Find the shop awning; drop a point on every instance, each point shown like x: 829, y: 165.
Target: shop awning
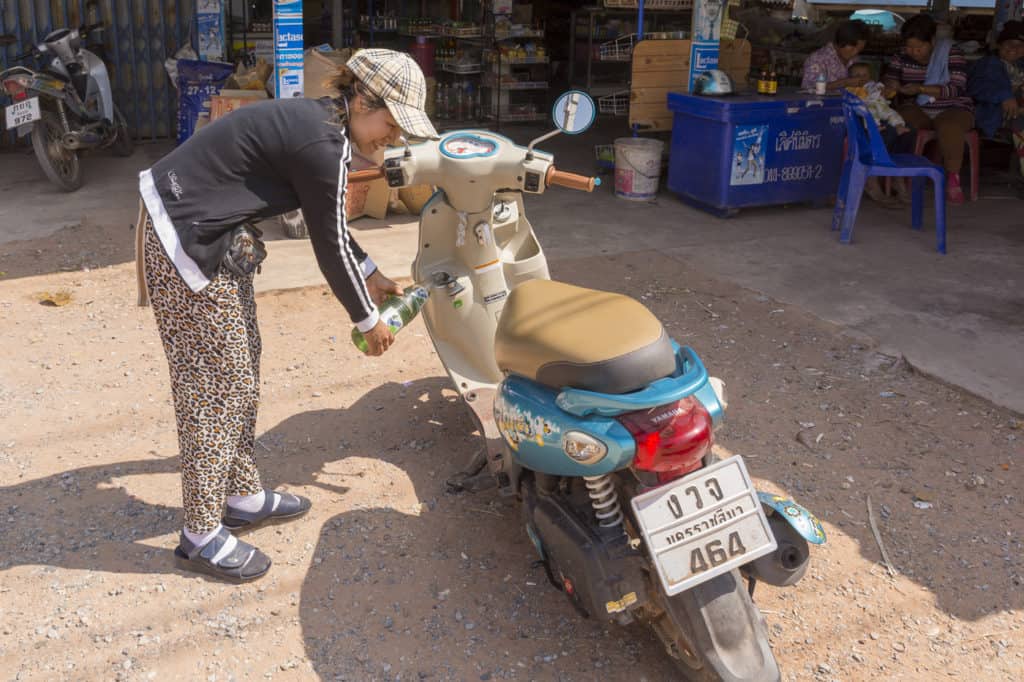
x: 966, y: 4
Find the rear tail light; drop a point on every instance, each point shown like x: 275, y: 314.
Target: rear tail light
x: 671, y: 440
x: 15, y: 87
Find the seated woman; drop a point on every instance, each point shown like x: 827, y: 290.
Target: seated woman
x: 996, y: 83
x: 834, y: 60
x: 932, y: 76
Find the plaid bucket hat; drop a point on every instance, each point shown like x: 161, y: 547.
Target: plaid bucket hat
x: 397, y: 79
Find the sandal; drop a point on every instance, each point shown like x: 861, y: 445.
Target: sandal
x: 242, y: 564
x: 290, y: 507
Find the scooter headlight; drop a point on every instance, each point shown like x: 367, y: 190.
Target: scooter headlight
x: 583, y: 448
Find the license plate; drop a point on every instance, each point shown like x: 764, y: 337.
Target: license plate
x: 20, y: 113
x: 703, y: 525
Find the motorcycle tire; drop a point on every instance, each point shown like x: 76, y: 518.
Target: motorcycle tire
x: 123, y: 144
x: 61, y: 165
x: 715, y: 633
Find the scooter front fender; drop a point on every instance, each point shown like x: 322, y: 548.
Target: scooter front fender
x: 803, y: 521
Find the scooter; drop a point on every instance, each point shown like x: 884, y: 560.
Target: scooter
x: 68, y: 106
x: 593, y: 416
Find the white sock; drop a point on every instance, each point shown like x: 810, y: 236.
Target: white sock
x: 252, y: 503
x: 200, y: 539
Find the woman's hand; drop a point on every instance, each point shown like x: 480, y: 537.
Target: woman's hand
x: 1011, y: 109
x: 911, y: 89
x: 378, y: 339
x: 380, y: 287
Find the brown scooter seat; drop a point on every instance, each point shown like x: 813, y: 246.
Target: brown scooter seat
x: 566, y: 336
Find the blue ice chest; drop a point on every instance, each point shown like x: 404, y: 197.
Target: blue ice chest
x: 754, y: 150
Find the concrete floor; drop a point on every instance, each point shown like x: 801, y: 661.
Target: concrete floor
x: 959, y: 317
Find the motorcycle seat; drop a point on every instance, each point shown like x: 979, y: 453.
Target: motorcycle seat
x: 566, y: 336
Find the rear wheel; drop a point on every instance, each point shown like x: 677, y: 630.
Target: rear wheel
x: 715, y: 633
x: 61, y: 165
x: 123, y: 144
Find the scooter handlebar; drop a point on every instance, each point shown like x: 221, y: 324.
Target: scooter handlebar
x: 571, y: 180
x: 368, y: 175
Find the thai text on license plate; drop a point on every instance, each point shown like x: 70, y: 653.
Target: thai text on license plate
x: 703, y: 525
x: 20, y: 113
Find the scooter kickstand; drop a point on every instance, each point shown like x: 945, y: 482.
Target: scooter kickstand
x: 473, y: 478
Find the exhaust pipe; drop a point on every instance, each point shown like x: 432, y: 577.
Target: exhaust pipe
x: 81, y: 139
x: 788, y: 563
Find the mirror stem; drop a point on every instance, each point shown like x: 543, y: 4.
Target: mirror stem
x: 529, y: 149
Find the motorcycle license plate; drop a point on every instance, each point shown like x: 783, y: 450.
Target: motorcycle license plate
x: 703, y: 525
x: 21, y: 113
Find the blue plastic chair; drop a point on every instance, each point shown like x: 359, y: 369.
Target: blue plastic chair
x: 867, y: 158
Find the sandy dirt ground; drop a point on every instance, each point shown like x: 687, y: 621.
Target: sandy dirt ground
x: 389, y: 578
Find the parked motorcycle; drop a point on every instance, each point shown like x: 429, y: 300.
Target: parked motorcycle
x: 593, y: 416
x: 67, y: 106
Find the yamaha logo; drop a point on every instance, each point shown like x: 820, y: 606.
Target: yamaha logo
x: 665, y: 416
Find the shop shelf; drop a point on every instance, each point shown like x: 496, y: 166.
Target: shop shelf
x: 669, y: 5
x: 467, y: 32
x: 615, y: 105
x: 618, y: 50
x: 461, y: 69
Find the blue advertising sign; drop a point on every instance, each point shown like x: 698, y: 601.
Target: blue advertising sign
x: 210, y: 27
x: 707, y: 30
x: 288, y: 44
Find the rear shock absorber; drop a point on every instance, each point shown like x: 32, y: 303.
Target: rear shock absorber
x: 63, y: 117
x: 605, y: 500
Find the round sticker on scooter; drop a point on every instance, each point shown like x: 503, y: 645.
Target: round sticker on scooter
x: 573, y: 112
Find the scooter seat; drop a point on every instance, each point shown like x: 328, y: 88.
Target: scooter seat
x: 566, y: 336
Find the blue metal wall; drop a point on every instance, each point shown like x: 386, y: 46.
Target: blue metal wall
x: 137, y: 36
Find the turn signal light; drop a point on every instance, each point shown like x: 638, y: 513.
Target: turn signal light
x: 583, y: 448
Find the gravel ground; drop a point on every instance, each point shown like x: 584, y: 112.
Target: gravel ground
x: 389, y: 578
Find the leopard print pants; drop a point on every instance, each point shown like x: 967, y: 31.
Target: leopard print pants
x: 213, y: 349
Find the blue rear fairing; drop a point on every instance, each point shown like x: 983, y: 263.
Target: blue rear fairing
x: 533, y: 426
x: 533, y: 418
x: 690, y: 378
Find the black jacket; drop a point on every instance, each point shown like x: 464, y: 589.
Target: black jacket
x: 261, y: 161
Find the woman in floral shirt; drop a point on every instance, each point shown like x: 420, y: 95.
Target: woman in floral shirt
x: 834, y: 59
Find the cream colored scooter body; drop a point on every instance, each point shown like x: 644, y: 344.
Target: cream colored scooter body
x: 475, y: 246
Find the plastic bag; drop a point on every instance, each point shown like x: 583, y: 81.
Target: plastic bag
x: 171, y: 63
x: 197, y: 82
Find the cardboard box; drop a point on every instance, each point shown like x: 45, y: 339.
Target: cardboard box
x: 229, y: 100
x: 319, y: 67
x: 367, y: 198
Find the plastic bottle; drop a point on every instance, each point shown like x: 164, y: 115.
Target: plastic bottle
x: 396, y: 313
x: 459, y: 103
x: 773, y: 83
x: 820, y: 85
x: 762, y: 83
x: 439, y: 101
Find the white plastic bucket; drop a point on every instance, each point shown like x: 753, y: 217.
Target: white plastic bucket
x: 637, y: 168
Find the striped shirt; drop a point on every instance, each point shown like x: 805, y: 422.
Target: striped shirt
x: 902, y: 70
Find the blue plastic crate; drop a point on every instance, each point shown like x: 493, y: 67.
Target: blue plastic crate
x: 733, y: 152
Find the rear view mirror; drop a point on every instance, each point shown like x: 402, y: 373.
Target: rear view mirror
x: 574, y: 112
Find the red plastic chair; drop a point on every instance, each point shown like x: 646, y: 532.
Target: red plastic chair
x: 973, y: 155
